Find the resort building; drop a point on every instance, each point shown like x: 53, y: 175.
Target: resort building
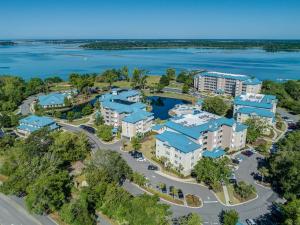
x: 181, y: 109
x: 54, y: 100
x: 139, y: 122
x: 189, y: 137
x: 255, y: 106
x: 122, y: 108
x: 226, y: 83
x: 33, y: 123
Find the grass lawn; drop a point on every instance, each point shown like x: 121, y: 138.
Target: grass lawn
x: 61, y: 86
x: 193, y: 201
x: 172, y: 95
x: 79, y: 121
x: 174, y: 84
x: 127, y: 84
x: 221, y: 196
x: 234, y: 198
x: 164, y: 196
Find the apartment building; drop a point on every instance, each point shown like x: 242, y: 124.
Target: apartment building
x: 139, y: 122
x: 189, y: 137
x: 226, y: 83
x: 255, y: 106
x: 123, y: 109
x: 55, y: 99
x: 33, y: 123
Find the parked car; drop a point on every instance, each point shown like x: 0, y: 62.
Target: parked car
x: 235, y: 161
x: 239, y: 159
x: 141, y: 159
x: 164, y: 189
x: 88, y: 129
x: 180, y: 194
x: 250, y: 222
x: 247, y: 153
x: 232, y: 178
x: 152, y: 167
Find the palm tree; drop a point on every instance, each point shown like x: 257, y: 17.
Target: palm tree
x: 264, y: 172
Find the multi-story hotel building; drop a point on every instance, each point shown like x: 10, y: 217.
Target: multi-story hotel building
x: 226, y: 83
x: 123, y: 109
x: 255, y: 106
x: 186, y: 138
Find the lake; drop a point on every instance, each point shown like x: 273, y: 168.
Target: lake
x: 162, y: 105
x: 38, y: 59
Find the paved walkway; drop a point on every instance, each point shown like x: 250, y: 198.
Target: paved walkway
x: 226, y: 195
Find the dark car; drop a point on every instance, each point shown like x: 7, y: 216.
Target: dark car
x: 137, y: 155
x: 152, y: 167
x: 247, y: 153
x: 235, y: 161
x: 164, y: 189
x: 88, y: 129
x: 180, y: 194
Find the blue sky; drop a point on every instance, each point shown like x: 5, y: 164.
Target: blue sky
x: 150, y: 19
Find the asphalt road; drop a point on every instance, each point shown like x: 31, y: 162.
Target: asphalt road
x: 211, y: 207
x: 25, y: 106
x: 12, y: 212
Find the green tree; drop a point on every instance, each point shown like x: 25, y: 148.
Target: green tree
x: 77, y: 213
x: 87, y: 110
x: 136, y: 143
x: 291, y: 212
x: 138, y: 178
x: 284, y: 166
x: 255, y: 129
x: 111, y: 163
x: 244, y: 190
x: 215, y: 105
x: 34, y: 86
x: 171, y: 74
x: 229, y: 217
x: 164, y: 80
x: 105, y: 132
x: 212, y: 172
x: 190, y: 219
x: 110, y: 76
x: 67, y: 102
x: 124, y: 73
x: 70, y: 116
x: 99, y: 120
x: 185, y: 88
x: 49, y: 192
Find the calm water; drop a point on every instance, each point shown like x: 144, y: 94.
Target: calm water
x: 162, y: 105
x: 43, y: 60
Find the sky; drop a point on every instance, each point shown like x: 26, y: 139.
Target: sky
x: 228, y: 19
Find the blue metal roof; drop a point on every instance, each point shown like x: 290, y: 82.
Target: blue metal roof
x: 178, y: 141
x: 33, y: 123
x: 39, y: 121
x: 52, y: 99
x: 216, y: 153
x: 255, y: 111
x: 266, y: 102
x: 240, y: 127
x: 157, y: 127
x: 252, y: 81
x: 137, y: 116
x: 123, y: 108
x: 225, y: 75
x: 196, y: 131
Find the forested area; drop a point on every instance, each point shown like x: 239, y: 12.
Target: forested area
x: 39, y: 168
x: 267, y: 45
x: 288, y: 93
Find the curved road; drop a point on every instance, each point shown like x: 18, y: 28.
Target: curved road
x: 211, y: 207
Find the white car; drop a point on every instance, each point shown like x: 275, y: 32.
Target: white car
x: 141, y: 159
